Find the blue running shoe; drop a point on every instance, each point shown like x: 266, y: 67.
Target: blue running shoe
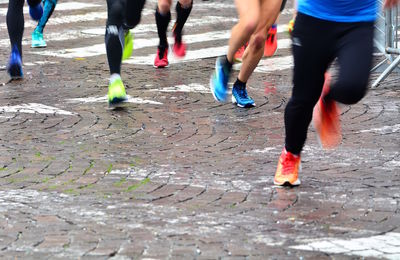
x: 219, y: 80
x: 14, y: 67
x: 36, y: 12
x: 37, y: 40
x: 241, y: 98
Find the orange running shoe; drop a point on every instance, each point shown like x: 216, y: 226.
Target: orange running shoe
x: 290, y: 27
x: 271, y: 44
x: 288, y: 169
x: 326, y: 118
x: 239, y: 54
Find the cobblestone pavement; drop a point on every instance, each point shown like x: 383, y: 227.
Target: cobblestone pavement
x: 176, y: 175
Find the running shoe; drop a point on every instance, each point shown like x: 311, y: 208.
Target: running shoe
x: 179, y: 48
x: 271, y: 44
x: 326, y: 118
x: 239, y: 53
x: 36, y: 11
x: 241, y: 98
x: 287, y: 172
x: 161, y: 60
x: 290, y: 26
x: 219, y: 80
x: 128, y: 45
x: 116, y: 93
x: 37, y: 40
x: 14, y: 67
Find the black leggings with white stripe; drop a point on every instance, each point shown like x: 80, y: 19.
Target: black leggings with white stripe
x: 122, y: 14
x: 316, y: 43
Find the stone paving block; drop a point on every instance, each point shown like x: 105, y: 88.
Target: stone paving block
x: 182, y: 172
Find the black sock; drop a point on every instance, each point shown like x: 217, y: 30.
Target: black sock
x: 182, y: 16
x: 240, y: 84
x: 226, y: 63
x: 162, y: 21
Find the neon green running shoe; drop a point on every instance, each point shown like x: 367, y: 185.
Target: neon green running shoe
x: 37, y: 40
x: 128, y: 45
x: 116, y: 93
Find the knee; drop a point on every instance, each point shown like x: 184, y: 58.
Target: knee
x: 258, y: 41
x: 132, y: 22
x: 115, y: 14
x: 186, y: 3
x: 250, y: 25
x: 352, y: 92
x: 164, y: 7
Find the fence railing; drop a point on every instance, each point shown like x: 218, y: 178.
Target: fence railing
x: 387, y: 41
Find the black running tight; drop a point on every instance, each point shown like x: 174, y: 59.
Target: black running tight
x: 316, y: 43
x: 15, y: 21
x: 122, y: 15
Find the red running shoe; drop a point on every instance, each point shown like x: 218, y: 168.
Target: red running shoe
x: 179, y: 48
x: 326, y: 118
x: 161, y: 60
x: 287, y: 172
x: 239, y: 54
x: 271, y: 44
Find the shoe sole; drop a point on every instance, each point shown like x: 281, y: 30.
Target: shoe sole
x: 117, y: 103
x: 15, y: 72
x: 38, y: 46
x: 234, y: 101
x: 160, y: 67
x: 288, y: 184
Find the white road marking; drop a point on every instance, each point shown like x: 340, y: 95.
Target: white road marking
x: 383, y: 130
x: 192, y: 87
x: 33, y: 108
x: 192, y: 22
x: 104, y: 99
x: 100, y: 49
x: 93, y: 16
x: 59, y: 7
x: 271, y: 64
x: 30, y: 64
x: 265, y: 150
x: 190, y: 56
x: 381, y: 246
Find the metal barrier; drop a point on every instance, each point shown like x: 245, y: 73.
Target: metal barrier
x: 387, y: 41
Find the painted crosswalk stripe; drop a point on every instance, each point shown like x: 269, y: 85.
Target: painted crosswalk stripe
x: 104, y: 99
x: 70, y: 6
x: 34, y: 108
x: 380, y: 246
x: 192, y: 88
x: 143, y: 28
x: 190, y: 56
x: 99, y: 49
x: 265, y: 65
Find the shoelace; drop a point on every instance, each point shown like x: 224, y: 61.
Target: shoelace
x: 271, y: 37
x: 288, y: 164
x: 242, y: 93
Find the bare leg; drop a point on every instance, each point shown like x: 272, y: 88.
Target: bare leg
x: 255, y: 50
x: 249, y: 13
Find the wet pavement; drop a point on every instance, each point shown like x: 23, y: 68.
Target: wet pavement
x: 175, y: 175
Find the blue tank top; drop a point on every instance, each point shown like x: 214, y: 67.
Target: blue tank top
x: 340, y: 10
